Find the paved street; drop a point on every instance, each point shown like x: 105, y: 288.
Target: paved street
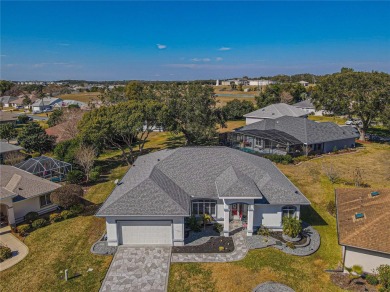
x: 138, y: 269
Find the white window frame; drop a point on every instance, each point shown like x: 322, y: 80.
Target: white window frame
x: 286, y: 211
x: 47, y: 200
x: 202, y: 207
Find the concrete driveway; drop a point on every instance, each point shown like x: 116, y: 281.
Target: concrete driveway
x: 138, y: 269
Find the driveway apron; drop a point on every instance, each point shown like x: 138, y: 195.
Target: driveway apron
x: 138, y: 269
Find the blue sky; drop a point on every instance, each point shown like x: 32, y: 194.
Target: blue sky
x: 190, y: 40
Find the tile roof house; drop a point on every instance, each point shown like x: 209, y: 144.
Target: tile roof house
x: 274, y: 111
x: 292, y: 135
x: 363, y: 225
x: 22, y: 192
x: 149, y: 204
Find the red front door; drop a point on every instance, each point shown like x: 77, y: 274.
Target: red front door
x: 234, y: 209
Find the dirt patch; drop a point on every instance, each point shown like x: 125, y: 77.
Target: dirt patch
x: 213, y: 245
x: 344, y: 281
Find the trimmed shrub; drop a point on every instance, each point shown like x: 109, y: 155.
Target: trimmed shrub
x: 94, y: 176
x: 31, y: 216
x: 55, y: 217
x: 372, y: 280
x: 290, y: 245
x: 283, y: 159
x: 67, y: 196
x: 23, y: 229
x: 66, y: 214
x: 77, y: 209
x: 75, y: 176
x: 264, y: 231
x: 39, y: 223
x: 384, y: 277
x: 193, y: 224
x: 5, y: 253
x: 291, y: 226
x: 23, y: 119
x: 218, y: 227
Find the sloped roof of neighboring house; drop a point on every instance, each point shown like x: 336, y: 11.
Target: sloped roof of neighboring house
x: 6, y: 147
x: 8, y: 116
x: 304, y: 104
x: 58, y: 132
x: 47, y: 101
x: 275, y: 111
x: 7, y: 99
x: 22, y: 185
x: 302, y: 129
x: 372, y: 231
x: 163, y: 182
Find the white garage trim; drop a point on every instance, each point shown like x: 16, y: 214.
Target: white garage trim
x: 145, y: 232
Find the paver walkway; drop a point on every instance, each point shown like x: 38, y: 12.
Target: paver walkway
x: 138, y: 269
x: 240, y: 251
x: 19, y: 249
x: 272, y: 287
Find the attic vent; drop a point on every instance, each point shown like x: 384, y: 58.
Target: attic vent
x: 359, y: 215
x: 374, y: 194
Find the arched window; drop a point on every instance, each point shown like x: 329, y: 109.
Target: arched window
x: 200, y: 207
x: 289, y: 211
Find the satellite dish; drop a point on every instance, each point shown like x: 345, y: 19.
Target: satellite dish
x: 116, y: 181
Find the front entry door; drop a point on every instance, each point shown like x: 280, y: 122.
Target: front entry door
x: 236, y: 211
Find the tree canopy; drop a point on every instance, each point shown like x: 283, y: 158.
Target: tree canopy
x: 361, y: 94
x: 236, y: 109
x: 8, y: 131
x: 33, y: 138
x: 286, y: 92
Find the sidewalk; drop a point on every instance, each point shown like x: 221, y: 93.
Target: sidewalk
x: 19, y: 249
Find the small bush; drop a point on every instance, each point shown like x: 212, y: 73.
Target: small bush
x: 75, y: 176
x: 372, y: 280
x: 67, y: 196
x: 55, y: 217
x: 291, y: 226
x: 23, y: 229
x: 77, y: 209
x: 264, y: 231
x: 66, y: 214
x: 331, y: 208
x: 221, y: 248
x: 23, y: 119
x: 300, y: 159
x: 290, y: 245
x: 94, y: 176
x: 284, y: 159
x: 31, y: 216
x: 5, y: 253
x: 39, y: 223
x: 384, y: 277
x: 218, y: 227
x: 193, y: 224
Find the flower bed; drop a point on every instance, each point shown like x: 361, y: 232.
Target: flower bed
x: 213, y: 245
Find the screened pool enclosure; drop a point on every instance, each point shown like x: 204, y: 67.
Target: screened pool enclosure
x: 46, y: 167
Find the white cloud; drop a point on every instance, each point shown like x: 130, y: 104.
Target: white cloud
x: 218, y: 59
x: 201, y: 60
x: 224, y: 49
x: 161, y: 47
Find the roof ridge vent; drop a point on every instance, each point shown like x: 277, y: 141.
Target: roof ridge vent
x: 374, y: 194
x: 358, y: 216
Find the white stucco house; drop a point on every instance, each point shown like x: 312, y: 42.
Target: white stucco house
x: 45, y: 103
x: 150, y: 204
x: 363, y: 225
x: 274, y: 111
x: 22, y: 192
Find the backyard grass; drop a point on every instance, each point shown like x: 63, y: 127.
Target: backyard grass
x: 300, y: 273
x: 337, y: 120
x: 231, y: 125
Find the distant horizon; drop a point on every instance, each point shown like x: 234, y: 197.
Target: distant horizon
x: 188, y: 41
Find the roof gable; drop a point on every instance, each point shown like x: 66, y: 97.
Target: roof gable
x: 276, y: 110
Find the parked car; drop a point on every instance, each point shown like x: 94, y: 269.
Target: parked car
x: 349, y: 123
x: 37, y: 112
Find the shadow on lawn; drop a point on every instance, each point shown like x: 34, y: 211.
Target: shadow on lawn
x: 310, y: 216
x: 174, y: 142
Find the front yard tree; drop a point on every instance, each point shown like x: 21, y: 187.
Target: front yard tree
x: 361, y: 94
x: 55, y: 117
x: 123, y: 126
x: 67, y: 196
x: 7, y: 131
x: 191, y: 110
x: 34, y: 138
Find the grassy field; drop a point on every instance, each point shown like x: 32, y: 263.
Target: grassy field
x: 301, y: 273
x: 231, y: 125
x: 337, y: 120
x: 82, y: 96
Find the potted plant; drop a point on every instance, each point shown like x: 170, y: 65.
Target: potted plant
x: 292, y: 227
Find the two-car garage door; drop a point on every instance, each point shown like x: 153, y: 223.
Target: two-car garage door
x: 145, y: 232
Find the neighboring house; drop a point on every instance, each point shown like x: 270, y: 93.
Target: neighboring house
x: 45, y: 103
x: 304, y: 83
x: 363, y: 224
x: 235, y: 81
x: 274, y: 111
x: 8, y: 117
x: 22, y: 192
x: 68, y: 102
x: 58, y: 131
x: 8, y: 101
x: 150, y: 204
x: 290, y: 135
x: 309, y: 108
x: 261, y: 82
x: 7, y: 149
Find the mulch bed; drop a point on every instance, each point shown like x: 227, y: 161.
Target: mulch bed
x: 278, y: 236
x: 211, y: 246
x: 342, y: 280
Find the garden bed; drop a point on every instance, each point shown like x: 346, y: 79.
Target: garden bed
x: 344, y: 281
x: 213, y: 245
x: 278, y: 236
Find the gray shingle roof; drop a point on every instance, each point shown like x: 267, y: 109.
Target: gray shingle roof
x: 47, y: 101
x: 305, y: 130
x: 304, y: 104
x: 17, y: 182
x: 163, y: 183
x: 6, y: 147
x: 276, y: 110
x: 7, y: 99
